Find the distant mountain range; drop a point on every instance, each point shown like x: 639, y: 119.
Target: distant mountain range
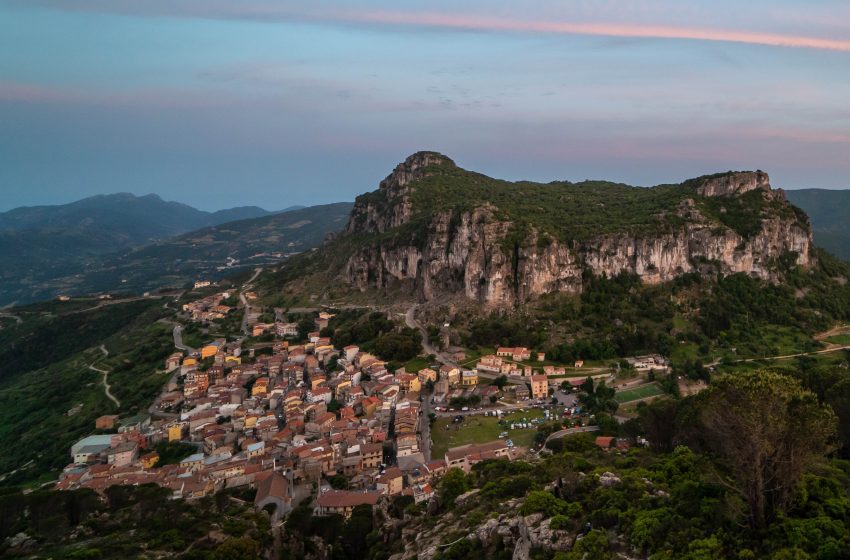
x: 83, y: 246
x: 829, y: 211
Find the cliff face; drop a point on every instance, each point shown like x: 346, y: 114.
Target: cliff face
x: 475, y: 252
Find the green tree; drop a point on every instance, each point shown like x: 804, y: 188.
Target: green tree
x: 454, y: 483
x: 769, y: 429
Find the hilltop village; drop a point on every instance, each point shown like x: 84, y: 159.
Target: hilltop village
x: 294, y: 417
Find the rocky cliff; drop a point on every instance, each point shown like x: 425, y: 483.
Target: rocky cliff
x: 493, y: 250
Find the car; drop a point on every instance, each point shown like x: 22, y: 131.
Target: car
x: 465, y: 409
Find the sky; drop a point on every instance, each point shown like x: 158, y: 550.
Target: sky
x: 221, y: 103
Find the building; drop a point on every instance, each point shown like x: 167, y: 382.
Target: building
x: 106, y: 422
x: 518, y: 354
x: 427, y: 374
x: 465, y: 456
x: 342, y: 502
x: 89, y: 448
x: 540, y: 386
x: 470, y: 378
x: 275, y: 490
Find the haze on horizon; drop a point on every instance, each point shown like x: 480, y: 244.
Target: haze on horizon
x: 275, y: 103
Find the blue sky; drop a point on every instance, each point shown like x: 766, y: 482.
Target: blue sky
x: 219, y: 103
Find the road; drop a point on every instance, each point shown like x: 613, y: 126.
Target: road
x: 425, y: 428
x: 785, y: 357
x: 245, y: 287
x: 427, y: 347
x: 17, y: 319
x: 105, y: 373
x: 570, y: 431
x: 178, y: 339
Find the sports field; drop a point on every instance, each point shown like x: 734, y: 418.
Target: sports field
x: 641, y: 392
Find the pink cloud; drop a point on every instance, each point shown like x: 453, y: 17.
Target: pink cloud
x: 480, y: 23
x: 225, y: 9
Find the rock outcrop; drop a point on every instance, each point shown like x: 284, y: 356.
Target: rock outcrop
x: 470, y: 251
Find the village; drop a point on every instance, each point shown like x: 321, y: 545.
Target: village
x: 295, y: 417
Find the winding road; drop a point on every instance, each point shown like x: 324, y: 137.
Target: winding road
x: 105, y: 373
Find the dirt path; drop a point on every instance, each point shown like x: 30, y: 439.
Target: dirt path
x: 105, y: 373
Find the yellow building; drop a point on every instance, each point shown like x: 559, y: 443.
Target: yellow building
x: 149, y: 460
x: 175, y: 432
x: 190, y: 362
x: 426, y: 375
x: 469, y: 378
x: 209, y: 351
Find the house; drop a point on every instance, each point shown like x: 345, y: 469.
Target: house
x: 391, y: 482
x: 123, y: 454
x: 106, y: 422
x: 522, y: 393
x: 465, y: 456
x: 427, y: 374
x: 469, y: 378
x: 202, y: 284
x: 604, y: 442
x: 286, y: 329
x: 539, y: 386
x: 342, y: 502
x: 541, y: 356
x: 276, y: 490
x: 89, y: 448
x: 518, y: 354
x: 408, y: 383
x: 578, y: 364
x: 193, y: 462
x: 149, y: 460
x: 420, y: 492
x: 493, y: 364
x: 134, y: 423
x: 173, y: 361
x: 371, y: 455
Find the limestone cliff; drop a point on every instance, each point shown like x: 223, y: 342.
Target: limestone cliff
x: 410, y: 237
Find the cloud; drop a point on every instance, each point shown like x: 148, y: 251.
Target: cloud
x: 469, y: 20
x: 648, y: 31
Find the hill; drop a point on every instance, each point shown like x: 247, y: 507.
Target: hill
x: 121, y: 219
x: 435, y: 230
x: 828, y: 210
x: 97, y: 244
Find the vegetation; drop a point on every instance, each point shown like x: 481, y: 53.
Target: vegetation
x: 374, y: 332
x: 135, y: 521
x: 47, y: 404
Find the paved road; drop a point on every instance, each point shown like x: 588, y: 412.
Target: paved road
x: 105, y: 373
x: 425, y: 428
x: 427, y: 347
x: 246, y: 287
x: 178, y: 339
x: 570, y: 431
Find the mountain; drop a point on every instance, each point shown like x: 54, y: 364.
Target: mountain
x: 829, y: 211
x: 435, y: 230
x: 41, y: 244
x: 210, y: 252
x: 123, y: 218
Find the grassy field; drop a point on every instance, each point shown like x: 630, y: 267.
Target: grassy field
x: 637, y: 393
x: 418, y: 363
x: 840, y: 339
x: 480, y: 429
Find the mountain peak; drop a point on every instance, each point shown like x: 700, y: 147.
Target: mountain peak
x: 413, y: 168
x: 732, y: 183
